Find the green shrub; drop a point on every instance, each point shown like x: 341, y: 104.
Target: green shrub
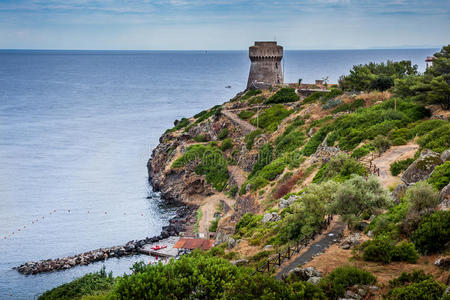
x: 211, y: 163
x: 89, y: 284
x: 284, y: 95
x: 428, y: 289
x: 314, y: 142
x: 313, y: 97
x: 340, y: 168
x: 264, y: 158
x: 358, y: 196
x: 246, y: 114
x: 288, y: 142
x: 223, y: 133
x: 250, y: 93
x: 336, y: 283
x: 179, y: 124
x: 399, y: 141
x: 226, y: 144
x: 233, y: 191
x: 247, y: 222
x: 201, y: 138
x: 437, y: 140
x: 433, y: 232
x: 408, y: 278
x: 250, y: 138
x: 362, y: 151
x: 270, y: 118
x: 422, y: 196
x: 331, y: 103
x: 352, y: 106
x: 383, y: 249
x: 405, y: 251
x: 399, y: 166
x: 381, y: 143
x: 425, y: 127
x: 440, y: 176
x: 388, y: 223
x: 213, y: 225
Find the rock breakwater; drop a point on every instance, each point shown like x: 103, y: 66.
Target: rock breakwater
x: 176, y: 226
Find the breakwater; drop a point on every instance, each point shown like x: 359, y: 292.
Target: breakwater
x: 185, y: 215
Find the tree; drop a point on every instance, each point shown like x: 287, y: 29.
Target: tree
x: 358, y: 196
x: 381, y: 143
x: 439, y: 92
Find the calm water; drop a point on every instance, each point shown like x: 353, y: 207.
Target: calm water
x: 77, y: 128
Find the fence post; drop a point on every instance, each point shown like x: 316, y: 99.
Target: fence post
x: 268, y: 266
x: 289, y: 252
x: 279, y: 259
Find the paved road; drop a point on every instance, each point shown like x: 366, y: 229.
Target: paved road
x: 315, y: 248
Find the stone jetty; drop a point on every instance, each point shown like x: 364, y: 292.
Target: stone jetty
x: 176, y: 226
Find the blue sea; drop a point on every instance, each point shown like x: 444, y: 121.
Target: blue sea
x: 77, y: 129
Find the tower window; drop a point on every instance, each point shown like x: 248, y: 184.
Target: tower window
x: 276, y: 65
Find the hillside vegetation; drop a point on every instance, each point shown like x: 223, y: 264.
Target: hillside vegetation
x: 286, y: 162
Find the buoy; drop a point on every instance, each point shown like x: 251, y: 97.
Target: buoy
x: 89, y: 211
x: 43, y: 217
x: 24, y: 226
x: 54, y: 210
x: 32, y: 222
x: 13, y: 232
x: 105, y: 212
x: 142, y: 215
x: 18, y: 229
x: 68, y: 210
x: 124, y: 214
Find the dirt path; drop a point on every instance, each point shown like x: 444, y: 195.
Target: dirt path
x: 237, y: 174
x: 325, y: 240
x: 245, y: 126
x: 393, y: 154
x: 209, y: 207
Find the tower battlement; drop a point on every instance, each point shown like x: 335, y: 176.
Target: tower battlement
x: 265, y: 68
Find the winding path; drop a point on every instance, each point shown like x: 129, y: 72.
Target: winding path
x: 245, y: 126
x: 394, y: 153
x: 314, y: 249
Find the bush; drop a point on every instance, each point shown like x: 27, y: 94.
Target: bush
x: 340, y: 168
x: 358, y: 196
x: 247, y: 222
x: 362, y: 151
x: 89, y: 284
x: 284, y: 95
x: 250, y: 138
x: 381, y: 143
x: 331, y: 103
x: 226, y: 144
x: 211, y: 163
x: 335, y: 284
x: 246, y: 114
x: 440, y: 176
x: 399, y: 141
x: 233, y: 191
x: 422, y: 196
x: 314, y: 142
x: 270, y: 118
x: 399, y: 166
x: 213, y: 225
x: 383, y: 249
x: 427, y: 290
x: 288, y: 142
x: 437, y: 140
x: 264, y: 158
x: 179, y: 124
x: 352, y: 106
x: 433, y: 232
x: 250, y: 93
x: 408, y: 278
x: 223, y: 133
x: 201, y: 138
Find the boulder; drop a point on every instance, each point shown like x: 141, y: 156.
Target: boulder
x: 445, y: 156
x: 287, y: 202
x: 231, y: 243
x: 422, y: 167
x: 314, y: 280
x: 239, y: 262
x: 304, y: 273
x: 268, y: 248
x: 443, y: 262
x: 445, y: 197
x: 271, y: 217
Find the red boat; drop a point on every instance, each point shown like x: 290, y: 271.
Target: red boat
x: 158, y: 247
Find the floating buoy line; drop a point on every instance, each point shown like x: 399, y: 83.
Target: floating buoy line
x: 35, y: 221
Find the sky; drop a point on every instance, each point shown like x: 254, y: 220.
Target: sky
x: 223, y: 24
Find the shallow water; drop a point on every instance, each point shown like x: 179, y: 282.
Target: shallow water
x: 77, y: 129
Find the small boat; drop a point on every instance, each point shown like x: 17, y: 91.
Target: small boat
x: 228, y: 87
x: 158, y: 247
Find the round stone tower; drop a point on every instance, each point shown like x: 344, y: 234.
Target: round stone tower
x: 265, y: 68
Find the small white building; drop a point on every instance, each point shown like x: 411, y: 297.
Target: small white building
x: 429, y: 61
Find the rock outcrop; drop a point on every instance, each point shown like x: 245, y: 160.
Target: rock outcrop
x: 422, y: 167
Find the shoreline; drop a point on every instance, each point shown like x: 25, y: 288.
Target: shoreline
x: 177, y: 225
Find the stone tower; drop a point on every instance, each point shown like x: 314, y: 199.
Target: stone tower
x: 265, y: 68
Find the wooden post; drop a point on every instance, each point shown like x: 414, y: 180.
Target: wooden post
x: 268, y: 266
x: 279, y: 259
x: 289, y: 252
